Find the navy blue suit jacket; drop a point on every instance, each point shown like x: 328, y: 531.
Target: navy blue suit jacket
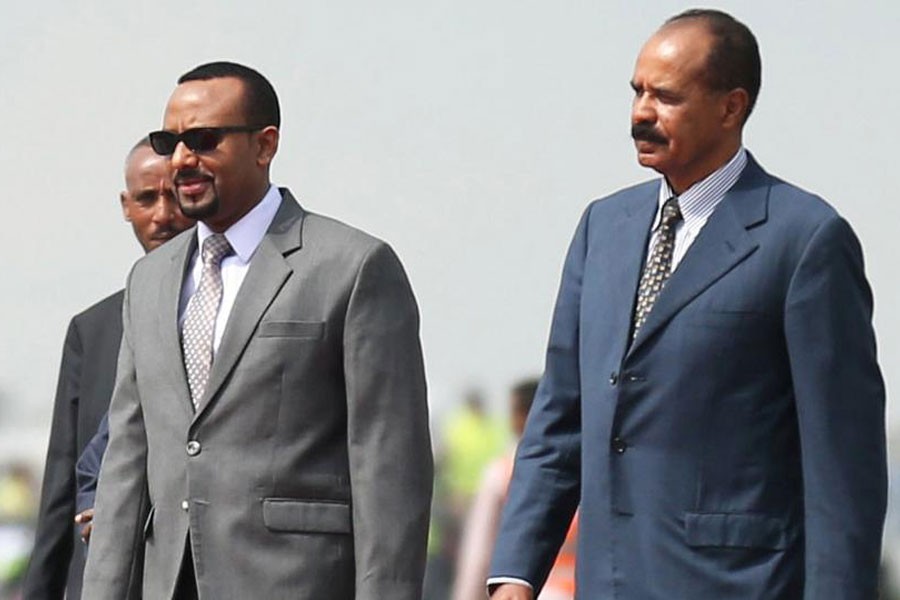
x: 87, y: 469
x: 86, y: 379
x: 735, y: 449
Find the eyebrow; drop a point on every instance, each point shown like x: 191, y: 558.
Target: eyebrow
x: 659, y: 91
x: 145, y: 194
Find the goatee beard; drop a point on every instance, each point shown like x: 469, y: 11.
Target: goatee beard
x: 200, y: 211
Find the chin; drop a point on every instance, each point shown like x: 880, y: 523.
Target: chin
x: 199, y: 209
x: 647, y: 160
x: 652, y: 161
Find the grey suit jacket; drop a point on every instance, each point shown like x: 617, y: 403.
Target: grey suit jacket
x: 306, y: 471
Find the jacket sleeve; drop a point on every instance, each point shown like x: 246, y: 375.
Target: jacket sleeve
x: 87, y: 469
x: 840, y: 409
x: 545, y: 486
x: 391, y: 469
x: 54, y: 538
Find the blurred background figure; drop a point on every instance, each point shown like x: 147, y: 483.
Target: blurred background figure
x: 483, y: 519
x: 472, y: 439
x: 469, y: 440
x: 18, y: 499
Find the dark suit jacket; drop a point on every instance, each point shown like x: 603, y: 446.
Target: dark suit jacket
x: 735, y: 449
x: 85, y: 386
x: 306, y: 470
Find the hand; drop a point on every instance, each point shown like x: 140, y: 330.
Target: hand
x: 512, y: 591
x: 86, y: 518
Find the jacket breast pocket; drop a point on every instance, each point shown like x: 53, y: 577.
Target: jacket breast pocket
x: 738, y: 530
x: 725, y: 330
x: 733, y: 319
x: 312, y: 330
x: 306, y: 516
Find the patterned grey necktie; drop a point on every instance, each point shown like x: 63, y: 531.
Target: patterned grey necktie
x: 659, y: 266
x: 200, y: 316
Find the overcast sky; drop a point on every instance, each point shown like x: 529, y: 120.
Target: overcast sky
x: 470, y: 135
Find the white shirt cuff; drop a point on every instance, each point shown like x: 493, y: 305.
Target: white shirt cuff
x: 493, y: 582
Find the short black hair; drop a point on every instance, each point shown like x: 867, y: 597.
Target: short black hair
x: 144, y: 142
x: 734, y: 60
x: 261, y: 102
x: 523, y: 395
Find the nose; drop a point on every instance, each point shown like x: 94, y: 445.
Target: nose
x: 163, y: 209
x: 642, y: 110
x: 182, y: 157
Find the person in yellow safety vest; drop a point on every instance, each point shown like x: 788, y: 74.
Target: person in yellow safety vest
x: 472, y: 439
x: 483, y: 519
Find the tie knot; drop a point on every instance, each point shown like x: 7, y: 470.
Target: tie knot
x: 215, y: 248
x: 671, y: 212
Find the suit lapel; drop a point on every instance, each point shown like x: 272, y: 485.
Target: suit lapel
x: 721, y: 245
x: 169, y: 299
x: 626, y: 243
x: 266, y: 275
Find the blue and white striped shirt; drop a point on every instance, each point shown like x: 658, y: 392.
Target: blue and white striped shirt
x: 697, y: 203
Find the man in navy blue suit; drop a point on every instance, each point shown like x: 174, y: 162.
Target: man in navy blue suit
x: 711, y: 394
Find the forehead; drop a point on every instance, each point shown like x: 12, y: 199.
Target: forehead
x: 144, y: 166
x: 675, y: 55
x: 205, y: 103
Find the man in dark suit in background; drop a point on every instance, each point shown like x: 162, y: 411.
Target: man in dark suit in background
x: 86, y: 381
x: 711, y: 393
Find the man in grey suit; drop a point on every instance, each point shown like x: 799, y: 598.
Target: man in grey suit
x: 711, y: 394
x: 86, y: 382
x: 269, y: 429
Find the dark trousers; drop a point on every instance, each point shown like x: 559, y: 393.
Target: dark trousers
x: 186, y: 589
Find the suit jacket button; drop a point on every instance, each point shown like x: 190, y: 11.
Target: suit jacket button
x: 619, y: 446
x: 193, y: 448
x: 613, y: 378
x: 185, y: 505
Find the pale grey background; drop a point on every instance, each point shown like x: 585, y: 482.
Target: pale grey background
x: 469, y: 134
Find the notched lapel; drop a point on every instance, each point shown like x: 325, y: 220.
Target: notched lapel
x: 623, y: 245
x: 721, y: 245
x: 169, y: 299
x: 265, y: 277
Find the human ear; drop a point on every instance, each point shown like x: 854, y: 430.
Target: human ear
x: 268, y: 145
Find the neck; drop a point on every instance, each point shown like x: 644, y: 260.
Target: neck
x: 681, y: 181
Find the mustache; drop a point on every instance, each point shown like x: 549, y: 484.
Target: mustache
x: 645, y: 132
x: 184, y: 174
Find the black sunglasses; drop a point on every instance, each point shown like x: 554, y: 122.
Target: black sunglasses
x: 199, y: 139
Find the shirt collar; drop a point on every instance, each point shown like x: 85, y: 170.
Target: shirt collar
x: 698, y: 201
x: 246, y: 235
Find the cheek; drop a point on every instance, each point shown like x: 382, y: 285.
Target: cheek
x: 225, y: 172
x: 141, y: 216
x: 678, y: 132
x: 209, y: 166
x: 666, y: 123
